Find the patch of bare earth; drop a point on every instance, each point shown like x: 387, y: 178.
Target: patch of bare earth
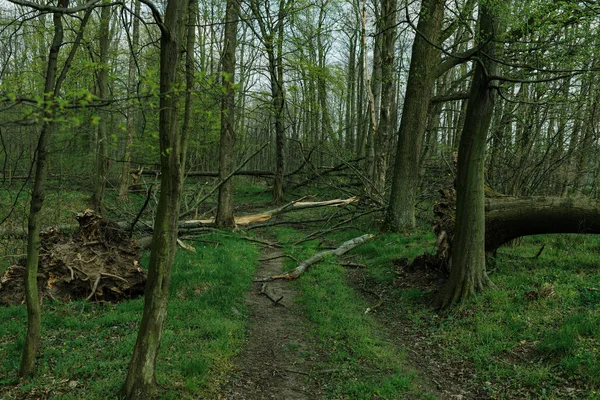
x: 278, y: 359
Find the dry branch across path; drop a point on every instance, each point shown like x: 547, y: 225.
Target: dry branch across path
x: 303, y: 266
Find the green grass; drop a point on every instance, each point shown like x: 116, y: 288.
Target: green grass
x: 365, y: 364
x: 91, y: 344
x: 519, y: 346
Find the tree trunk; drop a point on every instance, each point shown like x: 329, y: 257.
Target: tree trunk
x: 141, y: 380
x: 225, y: 217
x: 507, y: 218
x: 101, y: 142
x: 467, y: 273
x: 32, y: 339
x: 388, y: 42
x: 132, y: 109
x: 370, y: 136
x: 419, y: 91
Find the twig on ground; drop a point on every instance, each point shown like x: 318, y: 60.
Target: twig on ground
x: 281, y: 256
x: 263, y: 242
x: 270, y: 296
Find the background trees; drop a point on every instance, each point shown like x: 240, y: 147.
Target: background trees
x: 323, y: 82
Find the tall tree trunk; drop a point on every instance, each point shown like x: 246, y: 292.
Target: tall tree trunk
x: 227, y: 146
x: 467, y: 273
x: 272, y: 40
x: 419, y: 91
x: 141, y: 379
x: 101, y: 138
x: 350, y: 120
x: 370, y: 95
x: 388, y: 47
x: 132, y: 109
x: 32, y: 339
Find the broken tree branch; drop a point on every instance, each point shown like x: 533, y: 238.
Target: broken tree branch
x: 303, y: 266
x: 218, y: 185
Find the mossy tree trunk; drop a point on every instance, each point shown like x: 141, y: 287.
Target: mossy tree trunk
x: 32, y: 339
x: 225, y: 217
x: 468, y: 275
x: 141, y: 380
x: 419, y: 91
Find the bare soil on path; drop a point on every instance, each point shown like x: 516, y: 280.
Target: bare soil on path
x: 279, y: 359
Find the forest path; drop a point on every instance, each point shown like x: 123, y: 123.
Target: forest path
x: 278, y: 357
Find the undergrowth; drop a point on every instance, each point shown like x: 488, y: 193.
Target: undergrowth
x: 86, y: 347
x: 535, y: 335
x: 363, y: 363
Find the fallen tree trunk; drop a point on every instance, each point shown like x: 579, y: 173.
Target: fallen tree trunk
x: 303, y: 266
x: 508, y: 218
x: 267, y: 215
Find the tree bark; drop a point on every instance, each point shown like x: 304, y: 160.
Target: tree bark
x: 507, y: 218
x: 32, y: 339
x: 101, y: 142
x: 372, y: 132
x: 132, y: 109
x: 467, y: 273
x: 141, y: 379
x: 224, y: 218
x: 384, y: 131
x: 419, y: 91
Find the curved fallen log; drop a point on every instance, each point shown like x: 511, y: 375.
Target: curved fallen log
x: 508, y: 218
x: 303, y: 266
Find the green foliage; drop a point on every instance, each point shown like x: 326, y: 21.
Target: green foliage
x: 86, y: 346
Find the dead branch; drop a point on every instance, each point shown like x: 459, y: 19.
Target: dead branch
x: 263, y: 242
x: 335, y: 227
x: 139, y: 214
x: 303, y: 266
x: 267, y: 215
x: 277, y: 257
x: 218, y: 185
x: 271, y: 296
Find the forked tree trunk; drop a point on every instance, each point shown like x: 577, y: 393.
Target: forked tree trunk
x: 468, y: 275
x: 419, y: 91
x: 224, y: 218
x: 141, y: 380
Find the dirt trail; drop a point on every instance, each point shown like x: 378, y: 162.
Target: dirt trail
x: 278, y: 358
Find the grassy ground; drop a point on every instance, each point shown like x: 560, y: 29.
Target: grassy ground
x: 86, y: 347
x: 363, y: 363
x: 535, y: 335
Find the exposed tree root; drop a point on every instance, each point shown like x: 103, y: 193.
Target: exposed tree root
x: 99, y: 262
